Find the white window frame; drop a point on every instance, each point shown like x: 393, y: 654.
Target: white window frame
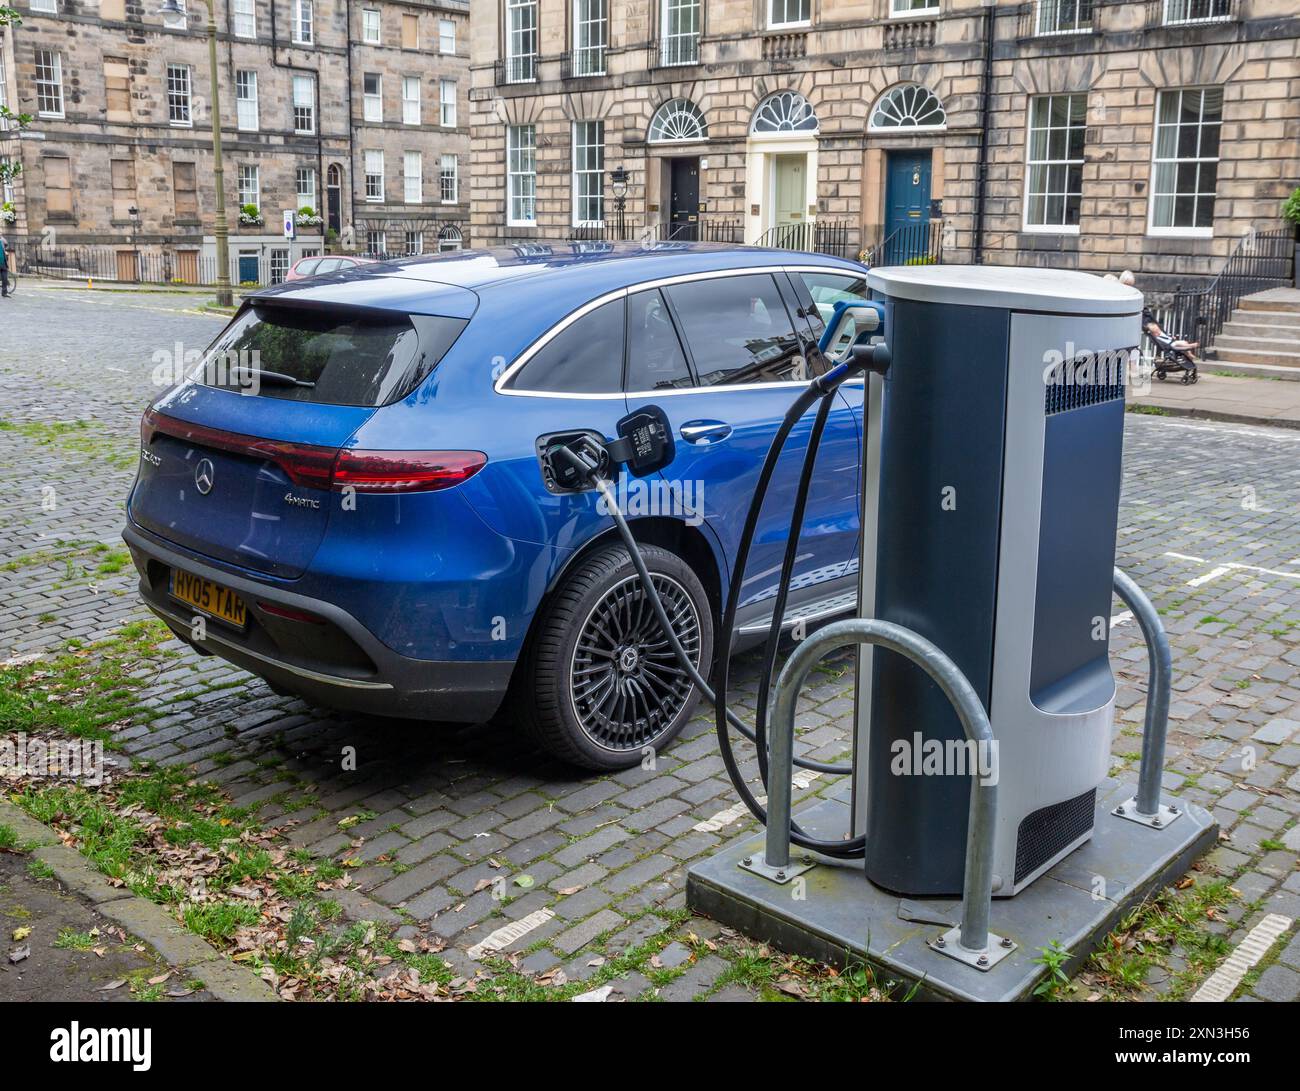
x: 448, y: 171
x: 679, y: 47
x: 43, y: 7
x: 247, y: 79
x: 580, y: 131
x: 304, y: 22
x: 370, y: 158
x: 447, y: 36
x: 248, y: 170
x: 51, y: 60
x: 516, y: 150
x: 591, y: 36
x: 417, y: 236
x: 174, y: 93
x: 1181, y: 232
x: 411, y: 104
x: 243, y: 19
x: 371, y: 23
x: 895, y: 12
x: 372, y: 103
x: 1051, y: 229
x: 308, y: 83
x: 447, y: 104
x: 305, y: 196
x: 522, y: 30
x: 413, y: 182
x: 784, y: 23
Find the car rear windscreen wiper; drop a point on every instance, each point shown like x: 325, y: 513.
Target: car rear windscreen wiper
x: 277, y: 378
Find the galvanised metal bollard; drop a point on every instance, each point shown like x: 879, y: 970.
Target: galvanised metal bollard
x: 973, y: 939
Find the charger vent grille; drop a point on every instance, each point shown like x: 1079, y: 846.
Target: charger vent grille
x: 1046, y: 832
x: 1086, y: 380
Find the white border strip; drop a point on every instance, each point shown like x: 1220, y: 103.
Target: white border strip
x: 1224, y: 981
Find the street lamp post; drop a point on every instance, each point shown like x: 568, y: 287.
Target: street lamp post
x: 618, y: 182
x: 171, y: 10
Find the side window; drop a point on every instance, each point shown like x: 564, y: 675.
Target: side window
x: 586, y: 357
x: 655, y: 360
x: 306, y: 268
x: 738, y: 330
x: 826, y: 290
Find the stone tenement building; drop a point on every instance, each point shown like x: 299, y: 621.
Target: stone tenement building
x: 356, y: 109
x: 1077, y: 133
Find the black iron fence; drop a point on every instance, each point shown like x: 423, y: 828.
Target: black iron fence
x: 705, y: 229
x: 133, y: 266
x: 517, y: 69
x: 911, y: 244
x: 672, y: 50
x: 820, y: 237
x: 1046, y: 18
x: 1262, y: 260
x: 587, y: 61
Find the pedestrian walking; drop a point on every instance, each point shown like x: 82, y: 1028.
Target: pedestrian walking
x: 4, y: 269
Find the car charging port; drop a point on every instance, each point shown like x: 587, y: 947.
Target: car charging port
x: 570, y: 460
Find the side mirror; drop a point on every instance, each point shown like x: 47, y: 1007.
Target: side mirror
x: 851, y: 322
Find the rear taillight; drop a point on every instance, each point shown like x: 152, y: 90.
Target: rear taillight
x: 405, y: 471
x: 319, y: 467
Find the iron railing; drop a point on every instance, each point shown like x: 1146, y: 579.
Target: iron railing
x: 1054, y: 18
x: 128, y: 266
x: 518, y: 69
x: 705, y: 229
x: 912, y: 244
x: 580, y: 63
x: 673, y: 50
x: 1183, y: 13
x: 1261, y: 260
x: 820, y: 236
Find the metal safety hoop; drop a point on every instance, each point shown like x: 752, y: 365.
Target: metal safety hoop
x: 977, y: 886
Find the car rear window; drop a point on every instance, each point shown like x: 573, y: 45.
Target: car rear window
x: 330, y: 357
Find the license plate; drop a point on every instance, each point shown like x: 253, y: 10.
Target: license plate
x: 211, y: 598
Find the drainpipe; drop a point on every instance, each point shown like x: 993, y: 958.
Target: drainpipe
x: 981, y: 166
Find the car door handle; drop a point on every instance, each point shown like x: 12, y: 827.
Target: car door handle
x: 705, y: 431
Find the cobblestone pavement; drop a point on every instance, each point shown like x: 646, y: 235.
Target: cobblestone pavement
x: 1208, y: 528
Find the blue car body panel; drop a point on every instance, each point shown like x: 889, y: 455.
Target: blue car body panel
x: 457, y: 575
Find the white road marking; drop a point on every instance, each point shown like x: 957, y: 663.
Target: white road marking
x: 1223, y: 430
x: 1221, y: 984
x: 596, y: 996
x: 1122, y: 618
x: 736, y: 811
x: 1229, y: 566
x: 507, y: 934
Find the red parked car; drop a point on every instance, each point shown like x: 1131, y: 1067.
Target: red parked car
x: 331, y: 263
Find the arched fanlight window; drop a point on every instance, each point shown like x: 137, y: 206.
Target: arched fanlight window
x: 449, y: 238
x: 678, y: 119
x: 910, y: 106
x: 784, y: 112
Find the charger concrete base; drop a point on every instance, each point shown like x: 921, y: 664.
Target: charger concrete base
x: 841, y: 917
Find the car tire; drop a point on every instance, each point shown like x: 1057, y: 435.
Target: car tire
x: 601, y: 683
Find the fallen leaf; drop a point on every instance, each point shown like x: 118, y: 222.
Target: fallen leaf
x: 21, y: 933
x: 20, y: 953
x: 160, y: 978
x: 113, y: 985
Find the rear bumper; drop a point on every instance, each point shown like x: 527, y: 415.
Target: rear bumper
x: 338, y: 663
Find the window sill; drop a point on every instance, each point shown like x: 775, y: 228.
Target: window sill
x: 804, y: 24
x: 919, y: 13
x: 1049, y: 229
x: 1181, y: 232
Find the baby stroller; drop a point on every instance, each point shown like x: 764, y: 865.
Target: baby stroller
x: 1170, y: 354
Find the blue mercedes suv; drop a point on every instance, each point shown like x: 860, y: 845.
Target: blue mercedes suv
x: 345, y: 498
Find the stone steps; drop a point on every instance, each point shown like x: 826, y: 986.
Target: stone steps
x: 1262, y: 338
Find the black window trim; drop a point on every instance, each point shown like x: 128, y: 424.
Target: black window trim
x: 503, y: 381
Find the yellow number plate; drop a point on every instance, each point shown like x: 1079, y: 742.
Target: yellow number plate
x: 209, y: 597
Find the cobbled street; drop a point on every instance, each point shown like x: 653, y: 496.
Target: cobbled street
x: 1208, y: 528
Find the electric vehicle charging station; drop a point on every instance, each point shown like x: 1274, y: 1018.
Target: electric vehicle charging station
x: 992, y: 454
x: 992, y: 450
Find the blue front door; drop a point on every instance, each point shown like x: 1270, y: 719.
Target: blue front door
x: 248, y: 269
x: 907, y: 207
